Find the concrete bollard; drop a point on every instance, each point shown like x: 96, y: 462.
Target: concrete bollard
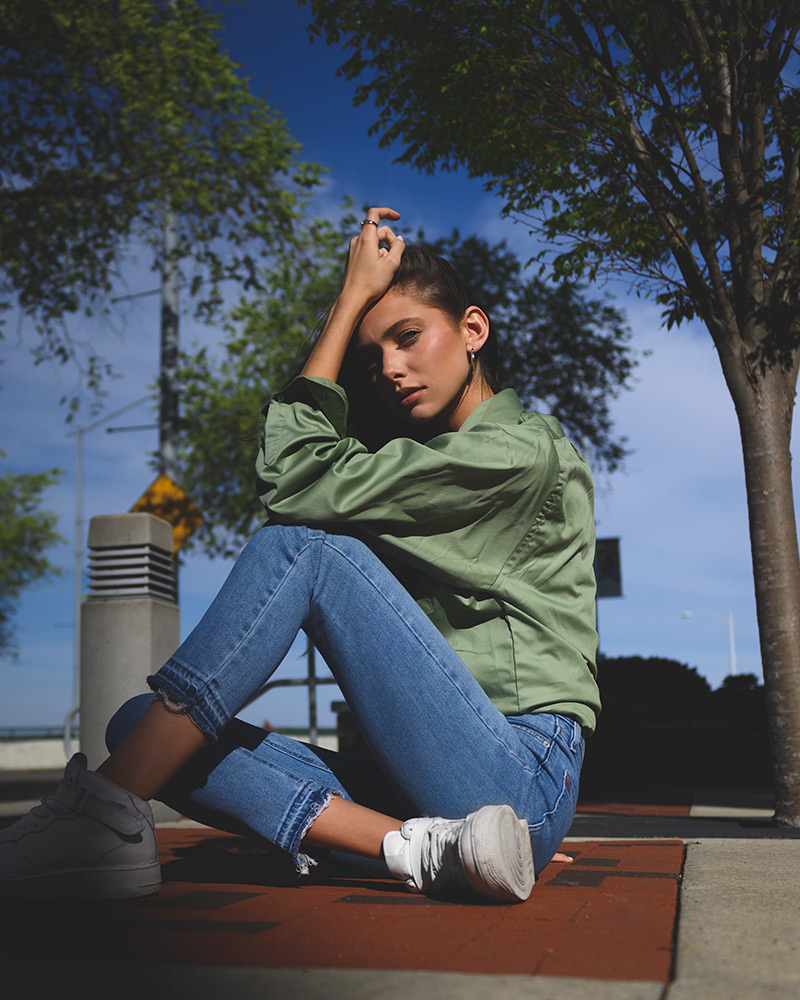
x: 130, y: 621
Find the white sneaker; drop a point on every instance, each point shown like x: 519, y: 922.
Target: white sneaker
x: 91, y: 840
x: 488, y: 854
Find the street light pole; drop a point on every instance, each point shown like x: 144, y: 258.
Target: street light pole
x: 77, y: 563
x: 731, y: 642
x: 168, y: 377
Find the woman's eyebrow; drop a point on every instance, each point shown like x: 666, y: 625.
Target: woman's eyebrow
x: 389, y: 332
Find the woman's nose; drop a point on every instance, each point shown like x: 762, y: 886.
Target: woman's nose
x: 393, y: 365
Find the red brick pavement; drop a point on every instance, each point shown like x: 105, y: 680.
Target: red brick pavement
x: 226, y: 902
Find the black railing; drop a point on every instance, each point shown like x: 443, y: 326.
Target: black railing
x: 11, y: 734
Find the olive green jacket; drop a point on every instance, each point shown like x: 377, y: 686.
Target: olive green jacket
x: 490, y: 528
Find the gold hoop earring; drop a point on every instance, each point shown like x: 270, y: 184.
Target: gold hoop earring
x: 472, y: 360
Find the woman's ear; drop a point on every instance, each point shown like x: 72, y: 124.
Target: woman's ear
x: 475, y: 326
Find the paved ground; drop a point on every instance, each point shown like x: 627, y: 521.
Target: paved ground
x: 677, y: 898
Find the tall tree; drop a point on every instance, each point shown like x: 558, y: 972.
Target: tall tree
x: 110, y: 115
x: 26, y: 533
x: 562, y: 353
x: 658, y: 140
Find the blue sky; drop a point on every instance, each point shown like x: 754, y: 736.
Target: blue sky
x: 679, y: 507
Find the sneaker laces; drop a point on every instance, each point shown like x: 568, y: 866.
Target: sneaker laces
x: 72, y: 798
x: 34, y: 818
x: 48, y: 804
x: 442, y: 867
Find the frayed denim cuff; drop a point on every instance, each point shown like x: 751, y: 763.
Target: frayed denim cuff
x: 308, y: 806
x: 175, y: 700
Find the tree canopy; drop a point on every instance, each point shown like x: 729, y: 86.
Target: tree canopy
x: 660, y: 141
x: 656, y: 140
x: 26, y: 532
x: 564, y: 354
x: 110, y: 114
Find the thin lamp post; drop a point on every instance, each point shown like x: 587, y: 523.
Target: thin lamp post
x: 731, y: 642
x: 77, y: 563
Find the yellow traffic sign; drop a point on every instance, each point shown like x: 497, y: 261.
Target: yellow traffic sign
x: 164, y: 498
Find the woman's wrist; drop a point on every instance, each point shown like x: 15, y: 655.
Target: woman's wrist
x: 325, y: 360
x: 373, y: 260
x: 349, y: 307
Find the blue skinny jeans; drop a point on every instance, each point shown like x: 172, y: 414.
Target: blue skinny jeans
x: 439, y: 746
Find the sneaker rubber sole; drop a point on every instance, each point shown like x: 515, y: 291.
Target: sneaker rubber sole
x: 496, y: 854
x: 82, y: 883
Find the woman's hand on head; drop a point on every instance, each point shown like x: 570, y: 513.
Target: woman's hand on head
x: 374, y: 257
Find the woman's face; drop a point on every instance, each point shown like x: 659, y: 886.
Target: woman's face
x: 417, y: 359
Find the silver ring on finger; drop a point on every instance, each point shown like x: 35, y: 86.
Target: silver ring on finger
x: 369, y: 222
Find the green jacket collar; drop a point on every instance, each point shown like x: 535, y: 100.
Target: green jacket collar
x: 502, y: 408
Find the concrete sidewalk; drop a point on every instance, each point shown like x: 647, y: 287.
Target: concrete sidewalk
x: 622, y: 923
x: 738, y: 923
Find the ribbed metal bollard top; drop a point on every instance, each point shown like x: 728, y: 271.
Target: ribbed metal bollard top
x: 129, y: 557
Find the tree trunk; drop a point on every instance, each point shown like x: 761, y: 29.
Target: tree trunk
x: 764, y: 411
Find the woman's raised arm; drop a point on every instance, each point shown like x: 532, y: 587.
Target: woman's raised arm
x: 374, y: 257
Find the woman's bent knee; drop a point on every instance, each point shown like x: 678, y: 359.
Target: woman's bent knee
x: 125, y: 718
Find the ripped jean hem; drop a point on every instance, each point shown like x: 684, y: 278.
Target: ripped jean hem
x: 310, y: 803
x: 317, y: 801
x: 168, y: 692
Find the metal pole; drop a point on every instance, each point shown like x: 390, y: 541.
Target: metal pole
x: 77, y: 567
x: 168, y: 416
x: 77, y: 594
x: 731, y: 644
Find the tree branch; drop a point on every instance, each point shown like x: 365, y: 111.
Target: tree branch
x: 711, y: 302
x: 60, y: 189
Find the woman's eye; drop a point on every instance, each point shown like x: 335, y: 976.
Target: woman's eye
x: 367, y: 361
x: 407, y: 337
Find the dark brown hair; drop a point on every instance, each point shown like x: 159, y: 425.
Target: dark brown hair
x: 435, y: 282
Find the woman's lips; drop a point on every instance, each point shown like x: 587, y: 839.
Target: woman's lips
x: 410, y: 398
